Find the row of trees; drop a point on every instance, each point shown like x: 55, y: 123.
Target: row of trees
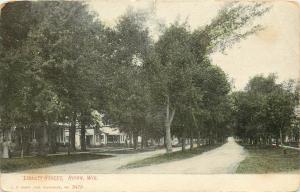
x: 59, y: 63
x: 266, y: 111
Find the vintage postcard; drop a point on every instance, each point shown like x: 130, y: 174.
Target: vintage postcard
x: 149, y: 95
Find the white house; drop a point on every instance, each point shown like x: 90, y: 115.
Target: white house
x: 112, y: 135
x: 90, y: 137
x: 96, y: 137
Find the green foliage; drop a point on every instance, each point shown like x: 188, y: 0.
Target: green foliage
x: 233, y: 23
x: 265, y: 109
x: 127, y: 93
x: 197, y: 89
x: 59, y: 63
x: 55, y: 61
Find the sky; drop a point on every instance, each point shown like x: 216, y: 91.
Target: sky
x: 273, y: 50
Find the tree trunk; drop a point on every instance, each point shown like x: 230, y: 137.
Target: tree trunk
x: 146, y: 141
x: 5, y: 145
x: 21, y: 144
x: 198, y: 139
x: 299, y: 138
x: 18, y: 137
x: 168, y: 122
x: 196, y: 126
x: 183, y: 137
x: 210, y: 138
x: 20, y: 141
x: 72, y: 131
x: 130, y: 140
x: 52, y: 138
x: 191, y: 139
x: 26, y: 138
x: 168, y: 140
x: 126, y: 142
x: 135, y: 141
x: 281, y: 137
x: 43, y: 142
x: 143, y: 139
x: 5, y: 148
x: 82, y: 137
x: 183, y: 144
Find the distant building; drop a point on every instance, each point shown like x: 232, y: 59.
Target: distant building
x: 110, y: 135
x: 95, y: 136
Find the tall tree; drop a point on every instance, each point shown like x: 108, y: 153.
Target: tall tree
x: 179, y: 50
x: 68, y: 46
x: 61, y: 52
x: 265, y: 110
x: 127, y: 93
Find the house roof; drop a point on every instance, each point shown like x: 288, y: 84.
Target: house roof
x: 111, y: 131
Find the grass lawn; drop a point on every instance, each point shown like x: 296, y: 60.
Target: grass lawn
x: 131, y: 151
x: 18, y: 164
x: 269, y: 160
x: 178, y: 155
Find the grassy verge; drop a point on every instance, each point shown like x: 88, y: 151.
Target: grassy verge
x: 269, y: 160
x: 132, y: 151
x: 178, y: 155
x: 19, y: 164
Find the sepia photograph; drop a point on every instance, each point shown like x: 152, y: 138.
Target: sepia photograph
x: 149, y: 95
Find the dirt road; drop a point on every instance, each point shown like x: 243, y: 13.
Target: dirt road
x: 223, y: 159
x: 108, y: 165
